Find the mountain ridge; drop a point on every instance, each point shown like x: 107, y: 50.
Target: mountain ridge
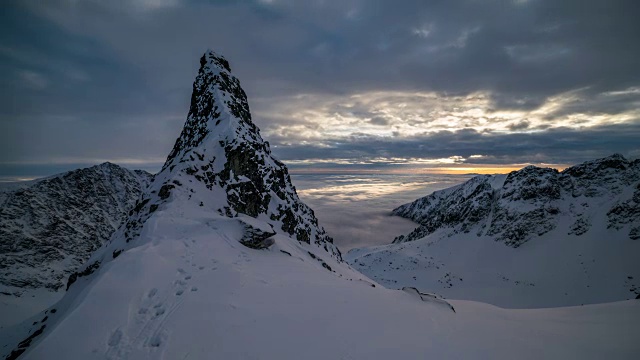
x: 62, y: 217
x: 49, y: 227
x: 536, y: 189
x: 536, y: 237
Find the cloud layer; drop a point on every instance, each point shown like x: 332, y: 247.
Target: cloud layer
x: 356, y: 209
x: 333, y: 84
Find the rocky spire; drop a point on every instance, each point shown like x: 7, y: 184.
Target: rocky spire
x: 221, y: 148
x: 219, y: 110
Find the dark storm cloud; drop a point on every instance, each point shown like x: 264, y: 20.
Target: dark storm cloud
x: 85, y: 80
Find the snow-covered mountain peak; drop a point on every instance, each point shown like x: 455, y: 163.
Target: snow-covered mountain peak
x: 221, y: 163
x: 219, y: 113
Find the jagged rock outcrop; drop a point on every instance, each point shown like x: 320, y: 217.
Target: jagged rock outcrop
x: 530, y: 202
x: 255, y: 234
x: 220, y: 149
x: 52, y: 226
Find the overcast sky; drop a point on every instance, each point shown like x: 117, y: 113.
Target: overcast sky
x: 339, y: 85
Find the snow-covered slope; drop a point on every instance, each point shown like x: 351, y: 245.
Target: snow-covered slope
x: 570, y: 238
x: 190, y: 290
x: 203, y: 271
x: 49, y: 227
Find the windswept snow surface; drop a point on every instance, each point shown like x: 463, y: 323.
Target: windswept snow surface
x: 547, y: 272
x: 190, y: 290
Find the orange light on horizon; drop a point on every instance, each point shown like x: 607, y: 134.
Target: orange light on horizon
x: 450, y: 170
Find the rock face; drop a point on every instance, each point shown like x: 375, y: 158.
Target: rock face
x: 220, y: 151
x: 52, y: 226
x: 530, y: 202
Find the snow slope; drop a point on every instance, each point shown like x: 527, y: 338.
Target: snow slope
x: 184, y: 277
x: 569, y: 238
x: 192, y: 291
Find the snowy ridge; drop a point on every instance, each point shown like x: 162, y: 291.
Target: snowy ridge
x: 529, y: 202
x: 49, y: 227
x: 570, y: 238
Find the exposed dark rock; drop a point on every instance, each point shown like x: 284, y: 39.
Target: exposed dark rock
x: 580, y: 226
x: 85, y: 272
x: 256, y: 238
x: 24, y: 344
x: 165, y: 191
x: 529, y: 202
x: 427, y: 297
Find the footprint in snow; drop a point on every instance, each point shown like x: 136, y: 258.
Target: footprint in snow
x: 115, y: 337
x: 156, y: 340
x: 179, y: 292
x: 187, y: 277
x: 152, y: 292
x: 194, y: 288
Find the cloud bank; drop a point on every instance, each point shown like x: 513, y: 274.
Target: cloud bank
x: 366, y: 85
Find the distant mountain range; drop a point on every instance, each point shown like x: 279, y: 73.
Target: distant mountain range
x: 531, y: 238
